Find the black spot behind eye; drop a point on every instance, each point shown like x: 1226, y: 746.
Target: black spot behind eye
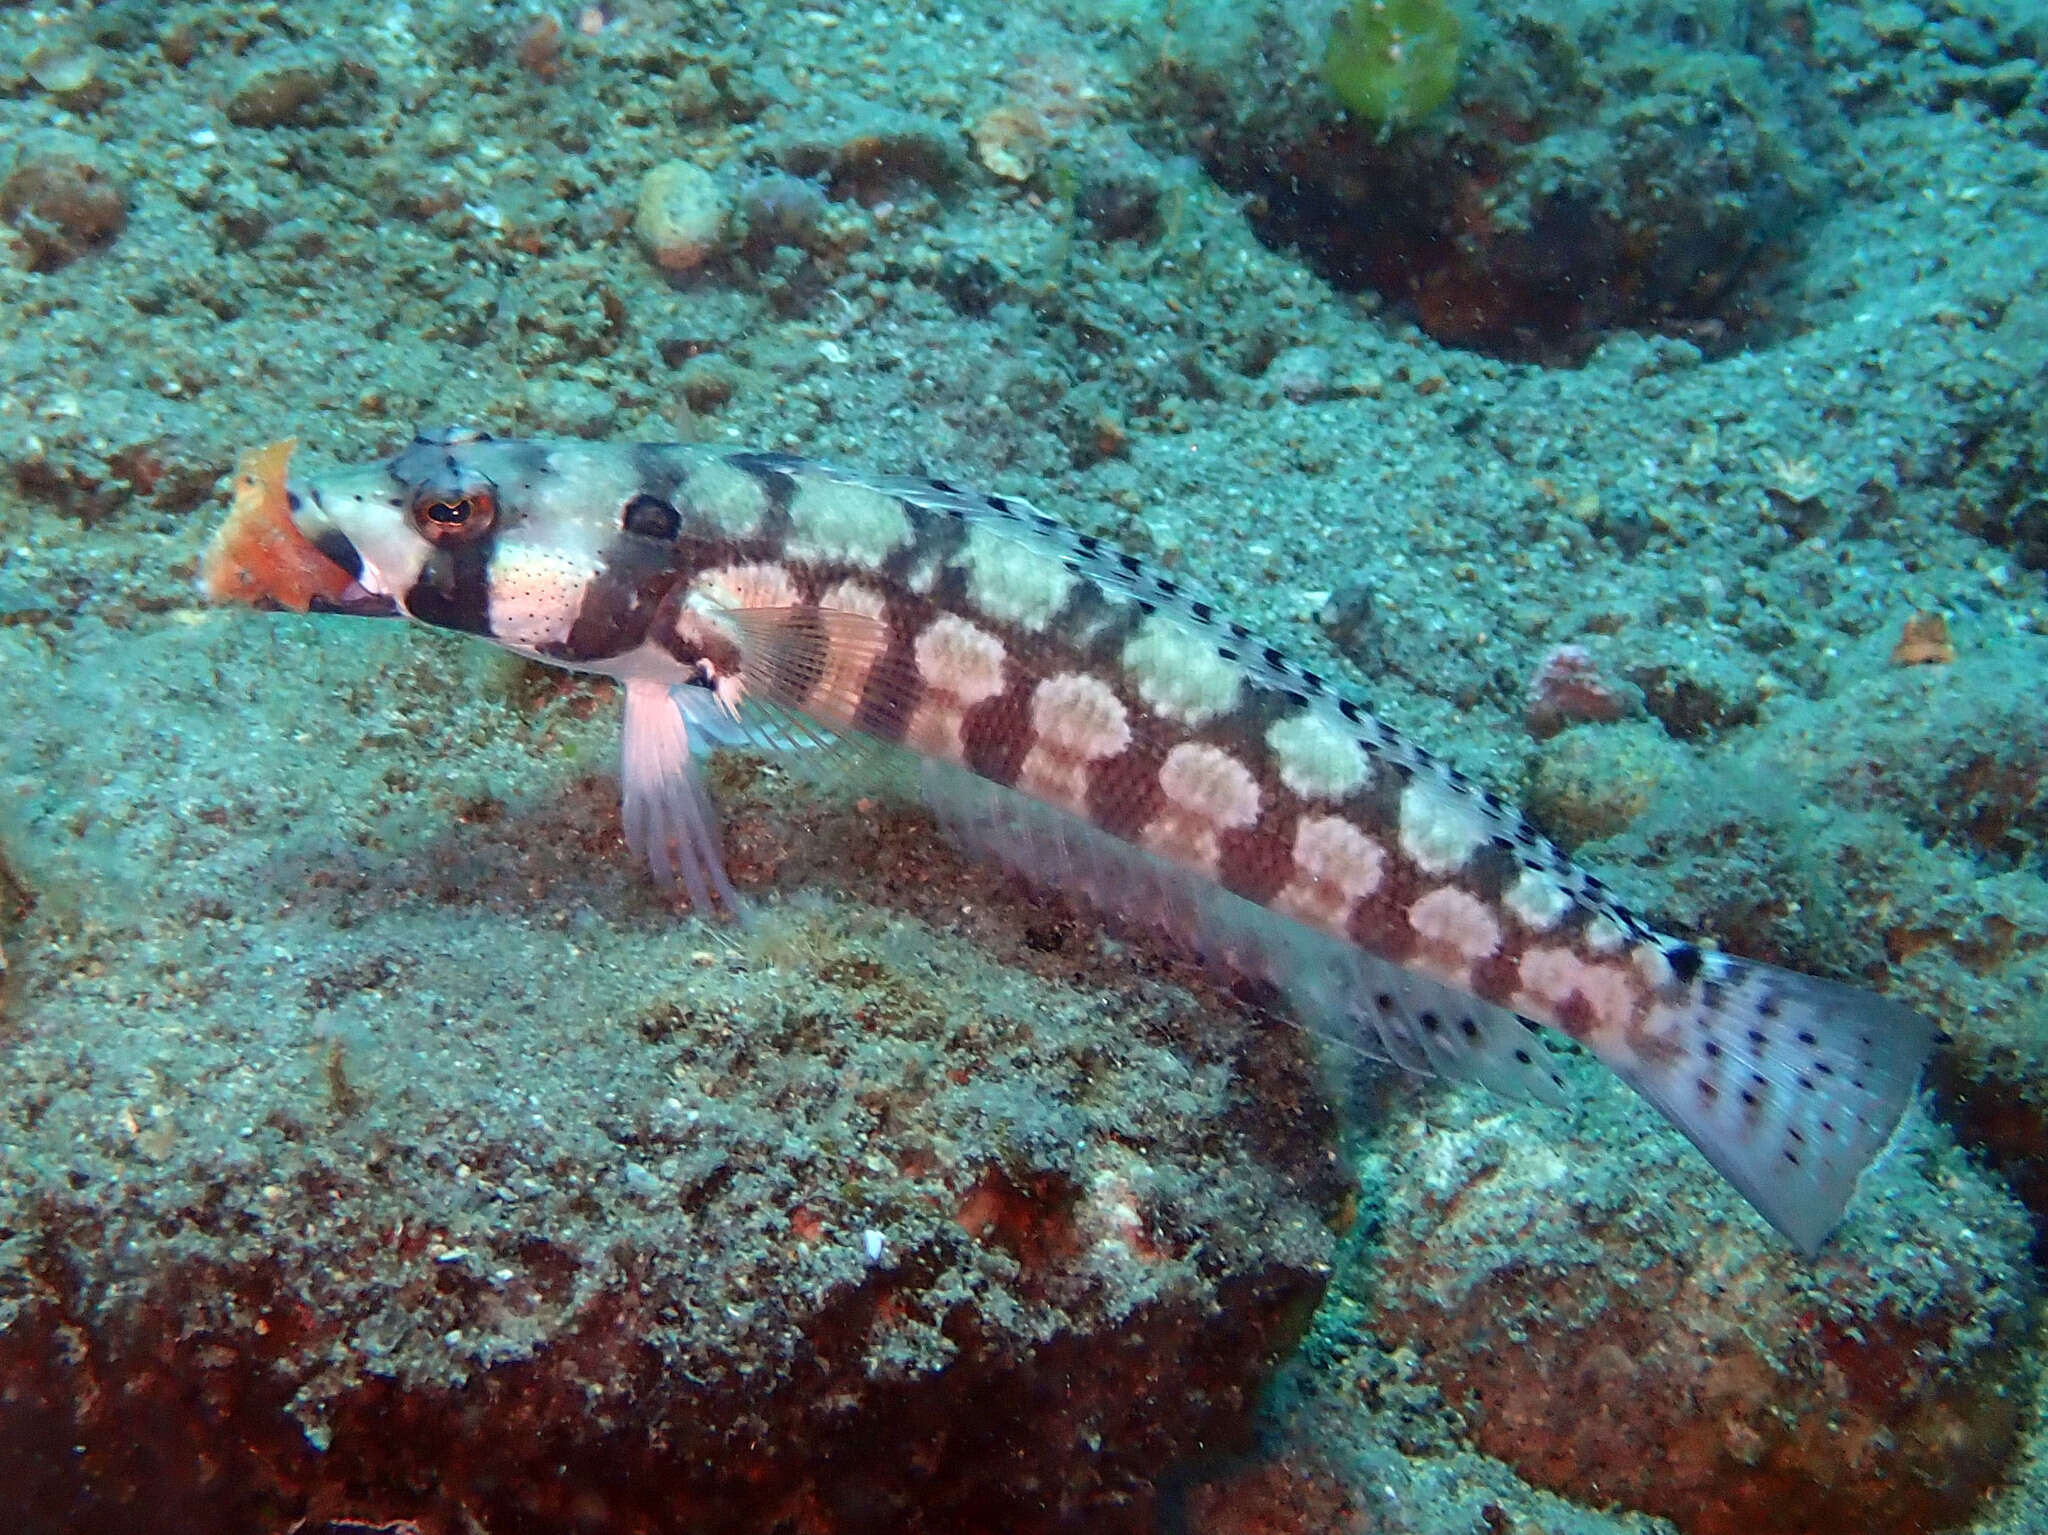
x: 651, y: 517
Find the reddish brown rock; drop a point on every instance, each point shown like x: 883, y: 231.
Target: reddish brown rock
x: 1557, y: 194
x: 61, y: 201
x: 460, y: 1182
x: 1292, y: 1495
x: 1646, y: 1345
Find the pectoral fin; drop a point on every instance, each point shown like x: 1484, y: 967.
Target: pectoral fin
x: 668, y: 816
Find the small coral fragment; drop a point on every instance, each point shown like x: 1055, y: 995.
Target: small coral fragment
x: 1010, y: 140
x: 1568, y: 689
x: 258, y: 555
x: 1924, y: 642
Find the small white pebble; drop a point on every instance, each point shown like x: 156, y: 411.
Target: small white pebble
x: 640, y: 1182
x: 872, y: 1241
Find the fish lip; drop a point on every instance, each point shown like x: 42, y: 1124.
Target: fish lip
x: 309, y: 516
x: 356, y: 602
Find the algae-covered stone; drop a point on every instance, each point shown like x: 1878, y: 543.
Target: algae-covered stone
x: 68, y: 68
x: 1392, y: 61
x: 61, y: 200
x: 1579, y: 178
x: 879, y: 156
x: 682, y: 215
x: 1591, y: 783
x: 708, y: 382
x: 279, y: 87
x: 1898, y: 22
x: 779, y: 210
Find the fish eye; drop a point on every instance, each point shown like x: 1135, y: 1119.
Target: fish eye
x: 445, y: 519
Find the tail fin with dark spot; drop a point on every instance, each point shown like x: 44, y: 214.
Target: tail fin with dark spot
x: 1790, y: 1085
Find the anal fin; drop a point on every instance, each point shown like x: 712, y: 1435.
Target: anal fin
x: 1337, y: 991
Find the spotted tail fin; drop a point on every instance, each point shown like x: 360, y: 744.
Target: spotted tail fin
x: 1790, y: 1085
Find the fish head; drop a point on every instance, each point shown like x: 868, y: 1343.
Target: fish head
x: 556, y: 550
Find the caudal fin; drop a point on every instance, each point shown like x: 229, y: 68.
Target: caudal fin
x: 1789, y: 1084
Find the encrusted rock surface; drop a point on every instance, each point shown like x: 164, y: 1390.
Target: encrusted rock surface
x: 1627, y: 1337
x: 353, y: 1166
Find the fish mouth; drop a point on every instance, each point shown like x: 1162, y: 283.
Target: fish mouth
x: 356, y: 603
x: 309, y: 516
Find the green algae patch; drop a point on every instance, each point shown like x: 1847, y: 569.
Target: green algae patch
x: 1393, y: 61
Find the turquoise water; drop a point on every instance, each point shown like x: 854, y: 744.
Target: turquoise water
x: 378, y: 1147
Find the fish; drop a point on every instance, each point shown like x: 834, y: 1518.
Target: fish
x: 1104, y: 729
